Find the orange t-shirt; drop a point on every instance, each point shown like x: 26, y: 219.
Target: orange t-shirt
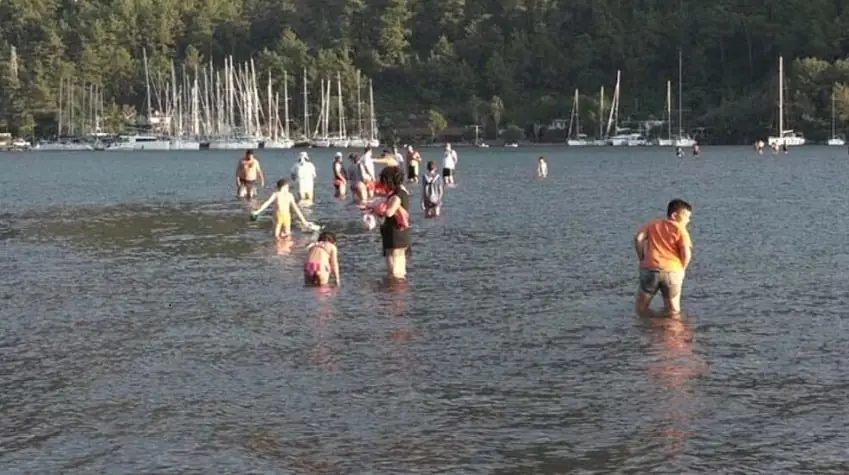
x: 663, y: 241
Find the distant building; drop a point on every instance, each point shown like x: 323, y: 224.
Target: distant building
x: 559, y: 124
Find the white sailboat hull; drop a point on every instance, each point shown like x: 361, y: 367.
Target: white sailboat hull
x: 340, y: 143
x: 279, y: 144
x: 63, y: 147
x: 140, y: 142
x: 180, y: 144
x: 665, y: 143
x: 577, y: 143
x: 685, y: 142
x: 836, y: 142
x: 233, y: 145
x: 320, y: 143
x: 374, y: 143
x: 790, y: 141
x: 357, y: 142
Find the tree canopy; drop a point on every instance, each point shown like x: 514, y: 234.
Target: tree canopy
x: 488, y: 62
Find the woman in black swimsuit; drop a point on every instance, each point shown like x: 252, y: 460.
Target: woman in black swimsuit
x: 396, y: 241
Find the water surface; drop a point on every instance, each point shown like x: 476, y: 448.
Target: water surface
x: 149, y: 327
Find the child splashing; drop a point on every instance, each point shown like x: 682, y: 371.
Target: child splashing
x: 322, y: 261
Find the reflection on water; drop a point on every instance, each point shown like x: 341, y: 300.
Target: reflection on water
x: 673, y: 367
x: 151, y: 327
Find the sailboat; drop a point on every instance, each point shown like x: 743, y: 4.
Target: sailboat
x: 601, y: 139
x: 834, y: 140
x: 340, y: 138
x: 622, y: 135
x: 683, y: 139
x: 579, y: 139
x: 668, y: 141
x: 785, y: 137
x: 373, y: 135
x: 274, y: 139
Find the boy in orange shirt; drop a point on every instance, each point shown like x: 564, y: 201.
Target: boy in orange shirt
x: 664, y: 249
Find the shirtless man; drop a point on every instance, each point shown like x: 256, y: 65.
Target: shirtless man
x: 414, y: 159
x: 664, y: 249
x: 247, y: 171
x: 284, y: 202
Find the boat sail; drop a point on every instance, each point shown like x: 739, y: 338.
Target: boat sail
x: 835, y: 140
x: 785, y: 137
x: 577, y: 139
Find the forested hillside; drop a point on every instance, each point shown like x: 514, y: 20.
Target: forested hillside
x: 453, y: 56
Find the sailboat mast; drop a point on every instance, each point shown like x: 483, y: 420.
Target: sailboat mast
x: 147, y: 81
x: 371, y: 110
x: 669, y: 109
x: 339, y: 102
x: 833, y: 129
x: 285, y: 103
x: 781, y: 98
x: 601, y: 113
x: 306, y: 127
x: 359, y: 107
x: 268, y: 122
x: 61, y: 97
x: 680, y: 95
x: 577, y: 114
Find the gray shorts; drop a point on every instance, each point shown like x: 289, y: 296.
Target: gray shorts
x: 668, y: 283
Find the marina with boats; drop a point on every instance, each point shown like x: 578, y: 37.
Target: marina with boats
x: 221, y: 109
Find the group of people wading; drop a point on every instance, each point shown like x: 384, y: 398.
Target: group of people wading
x: 380, y: 196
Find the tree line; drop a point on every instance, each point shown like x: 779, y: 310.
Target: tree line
x: 492, y: 63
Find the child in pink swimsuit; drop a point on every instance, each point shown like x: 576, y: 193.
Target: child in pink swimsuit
x: 322, y: 261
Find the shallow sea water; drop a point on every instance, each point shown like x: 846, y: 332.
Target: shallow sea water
x: 147, y: 326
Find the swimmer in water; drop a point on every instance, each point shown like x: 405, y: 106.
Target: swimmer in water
x: 696, y: 150
x: 322, y: 261
x: 340, y: 176
x: 664, y: 250
x: 247, y: 172
x: 284, y: 202
x: 432, y: 191
x: 542, y: 168
x: 679, y: 152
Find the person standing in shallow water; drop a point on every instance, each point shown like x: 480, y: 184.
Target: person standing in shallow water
x: 664, y: 250
x: 395, y: 230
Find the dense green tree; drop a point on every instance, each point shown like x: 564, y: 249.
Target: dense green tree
x: 443, y: 54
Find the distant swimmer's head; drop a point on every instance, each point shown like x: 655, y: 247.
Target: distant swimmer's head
x: 282, y: 184
x: 327, y: 237
x: 353, y: 157
x: 679, y: 210
x: 541, y: 159
x: 410, y: 148
x: 447, y: 147
x: 431, y: 166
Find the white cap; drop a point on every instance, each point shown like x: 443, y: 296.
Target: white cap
x: 338, y: 154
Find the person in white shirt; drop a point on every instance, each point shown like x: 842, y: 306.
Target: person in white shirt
x: 542, y: 168
x: 449, y: 163
x: 370, y: 178
x: 399, y: 157
x: 305, y: 174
